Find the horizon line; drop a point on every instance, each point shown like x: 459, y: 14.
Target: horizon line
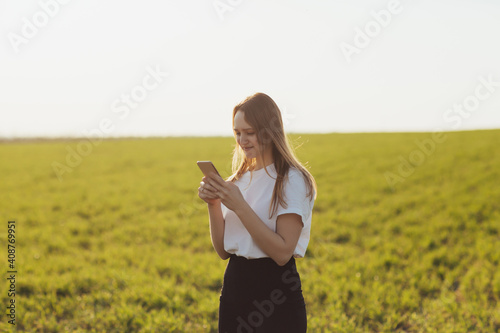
x: 4, y: 139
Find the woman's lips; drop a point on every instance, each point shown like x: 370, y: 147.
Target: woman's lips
x: 247, y: 149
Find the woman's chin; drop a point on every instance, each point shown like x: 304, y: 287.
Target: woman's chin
x: 249, y: 155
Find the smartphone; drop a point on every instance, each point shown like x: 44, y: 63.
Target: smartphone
x: 207, y: 167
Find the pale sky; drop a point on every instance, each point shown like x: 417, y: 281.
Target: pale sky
x: 69, y: 66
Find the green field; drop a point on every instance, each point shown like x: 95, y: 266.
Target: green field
x: 121, y: 243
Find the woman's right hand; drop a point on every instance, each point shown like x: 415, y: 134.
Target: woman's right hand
x: 208, y: 193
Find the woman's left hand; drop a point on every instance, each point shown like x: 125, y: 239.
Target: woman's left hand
x: 228, y: 192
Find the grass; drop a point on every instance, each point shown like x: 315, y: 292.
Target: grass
x: 122, y: 243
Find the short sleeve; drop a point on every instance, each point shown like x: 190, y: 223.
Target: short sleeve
x: 295, y: 195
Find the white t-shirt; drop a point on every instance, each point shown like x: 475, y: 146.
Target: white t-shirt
x: 258, y: 194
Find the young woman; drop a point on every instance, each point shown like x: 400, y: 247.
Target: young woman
x: 260, y: 218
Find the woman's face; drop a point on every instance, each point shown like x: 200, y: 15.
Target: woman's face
x: 246, y: 136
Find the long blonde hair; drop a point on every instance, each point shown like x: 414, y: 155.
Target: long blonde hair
x: 262, y: 113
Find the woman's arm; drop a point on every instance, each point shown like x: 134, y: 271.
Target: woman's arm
x: 278, y: 245
x: 216, y: 219
x: 217, y: 229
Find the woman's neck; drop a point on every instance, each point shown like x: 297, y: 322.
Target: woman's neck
x: 260, y: 165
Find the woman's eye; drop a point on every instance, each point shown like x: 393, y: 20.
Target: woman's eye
x: 251, y: 133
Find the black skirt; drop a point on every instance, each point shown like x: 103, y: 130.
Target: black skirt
x: 260, y: 296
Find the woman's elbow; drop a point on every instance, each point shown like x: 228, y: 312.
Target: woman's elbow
x: 224, y: 255
x: 283, y: 259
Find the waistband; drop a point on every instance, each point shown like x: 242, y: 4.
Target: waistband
x: 261, y: 261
